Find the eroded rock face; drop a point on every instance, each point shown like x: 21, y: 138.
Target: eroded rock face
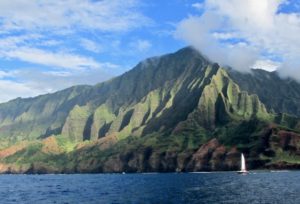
x: 200, y: 160
x: 275, y: 145
x: 211, y: 156
x: 232, y: 159
x: 289, y: 141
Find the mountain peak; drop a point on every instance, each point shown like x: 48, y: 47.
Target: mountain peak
x: 190, y: 52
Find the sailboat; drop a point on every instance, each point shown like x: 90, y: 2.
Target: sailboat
x: 243, y: 166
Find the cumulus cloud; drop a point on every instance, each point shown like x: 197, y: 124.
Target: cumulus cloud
x: 242, y: 33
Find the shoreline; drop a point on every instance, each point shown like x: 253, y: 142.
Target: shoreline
x: 153, y: 173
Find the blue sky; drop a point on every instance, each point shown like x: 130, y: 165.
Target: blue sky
x: 50, y: 45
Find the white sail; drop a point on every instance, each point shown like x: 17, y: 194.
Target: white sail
x: 243, y: 163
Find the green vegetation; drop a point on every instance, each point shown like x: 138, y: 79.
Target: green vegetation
x: 286, y: 157
x: 65, y: 143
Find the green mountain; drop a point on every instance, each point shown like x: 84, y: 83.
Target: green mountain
x: 177, y: 112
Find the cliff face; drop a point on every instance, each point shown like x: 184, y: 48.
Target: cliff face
x: 271, y: 148
x: 175, y: 112
x: 278, y: 95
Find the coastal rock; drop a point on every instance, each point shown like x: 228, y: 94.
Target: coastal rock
x: 282, y: 165
x: 200, y: 159
x: 232, y: 159
x: 289, y: 141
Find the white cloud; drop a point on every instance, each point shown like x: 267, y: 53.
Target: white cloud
x: 195, y: 30
x: 224, y: 36
x: 105, y: 15
x: 4, y: 74
x: 48, y: 58
x: 90, y: 45
x: 34, y: 31
x: 14, y: 41
x: 29, y: 82
x: 257, y: 30
x: 198, y: 6
x: 23, y: 47
x: 142, y: 45
x: 11, y: 89
x: 50, y: 43
x: 49, y: 36
x: 268, y: 65
x: 57, y: 80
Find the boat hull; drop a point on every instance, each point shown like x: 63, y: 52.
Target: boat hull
x: 242, y: 172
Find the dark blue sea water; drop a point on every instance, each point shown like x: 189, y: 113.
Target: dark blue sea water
x: 229, y: 187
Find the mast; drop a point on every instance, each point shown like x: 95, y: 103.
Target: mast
x: 243, y: 163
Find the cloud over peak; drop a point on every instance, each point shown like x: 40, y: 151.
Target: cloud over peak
x: 242, y: 34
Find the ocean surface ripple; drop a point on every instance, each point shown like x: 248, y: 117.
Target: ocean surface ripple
x: 222, y: 187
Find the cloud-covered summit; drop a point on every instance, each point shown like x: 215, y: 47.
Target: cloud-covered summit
x: 247, y: 34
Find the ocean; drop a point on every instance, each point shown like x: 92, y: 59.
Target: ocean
x: 222, y: 187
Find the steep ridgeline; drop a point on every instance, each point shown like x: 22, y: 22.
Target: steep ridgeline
x: 138, y: 102
x: 174, y: 112
x: 222, y: 101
